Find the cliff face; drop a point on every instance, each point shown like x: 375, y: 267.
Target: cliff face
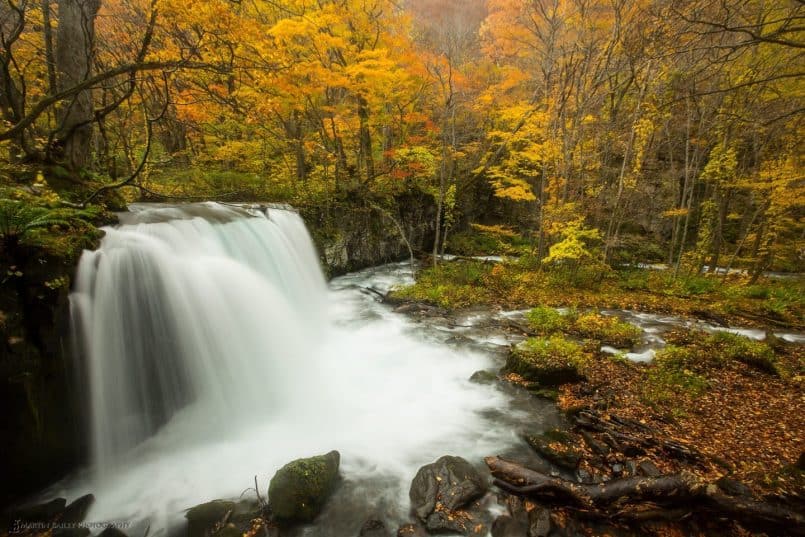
x: 352, y: 238
x: 42, y: 420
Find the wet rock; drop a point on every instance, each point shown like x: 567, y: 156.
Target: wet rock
x: 553, y: 447
x: 412, y: 530
x: 539, y: 522
x: 483, y: 377
x: 299, y: 490
x: 551, y: 394
x: 374, y: 528
x: 617, y: 470
x: 508, y: 526
x: 229, y: 530
x: 440, y: 489
x: 546, y: 371
x: 418, y: 308
x: 732, y: 487
x: 631, y: 467
x: 43, y: 512
x: 77, y: 510
x: 202, y: 519
x: 648, y: 469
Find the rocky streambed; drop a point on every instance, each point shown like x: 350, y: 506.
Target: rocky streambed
x: 517, y: 466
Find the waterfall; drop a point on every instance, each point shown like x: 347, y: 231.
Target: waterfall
x: 215, y: 352
x: 194, y: 309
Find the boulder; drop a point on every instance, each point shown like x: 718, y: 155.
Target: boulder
x: 299, y: 490
x: 441, y: 489
x: 202, y: 519
x: 554, y: 447
x: 374, y: 528
x: 77, y: 510
x: 539, y: 522
x: 547, y: 371
x: 483, y: 377
x: 412, y: 530
x: 508, y: 526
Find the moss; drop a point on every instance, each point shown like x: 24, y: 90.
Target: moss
x: 554, y: 446
x: 727, y: 346
x: 298, y: 490
x: 545, y: 320
x: 671, y: 375
x: 608, y: 330
x: 449, y: 285
x: 548, y: 361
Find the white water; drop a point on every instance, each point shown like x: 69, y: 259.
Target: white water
x: 216, y: 353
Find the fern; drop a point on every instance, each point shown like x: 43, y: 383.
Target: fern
x: 18, y: 218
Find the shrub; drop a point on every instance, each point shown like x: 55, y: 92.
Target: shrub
x: 545, y: 320
x: 608, y: 330
x: 549, y: 361
x: 727, y: 346
x: 672, y: 375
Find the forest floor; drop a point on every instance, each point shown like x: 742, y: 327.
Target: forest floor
x: 736, y: 403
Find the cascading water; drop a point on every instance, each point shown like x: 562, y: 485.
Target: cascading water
x: 194, y: 312
x: 216, y: 353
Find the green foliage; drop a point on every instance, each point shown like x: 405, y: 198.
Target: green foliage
x: 548, y: 361
x: 545, y: 320
x: 727, y: 346
x: 20, y: 220
x: 607, y: 329
x: 487, y: 240
x: 636, y: 248
x: 450, y: 285
x: 671, y: 375
x: 554, y: 348
x: 574, y: 247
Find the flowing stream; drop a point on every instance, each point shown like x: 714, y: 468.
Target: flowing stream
x: 215, y: 351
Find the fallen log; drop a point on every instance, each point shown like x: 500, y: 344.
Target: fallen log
x: 616, y: 499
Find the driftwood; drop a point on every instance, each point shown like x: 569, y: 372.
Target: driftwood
x: 643, y: 498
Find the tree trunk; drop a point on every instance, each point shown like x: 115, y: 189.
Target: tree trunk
x: 74, y: 59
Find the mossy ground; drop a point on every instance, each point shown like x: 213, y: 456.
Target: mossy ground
x: 515, y: 285
x: 737, y: 400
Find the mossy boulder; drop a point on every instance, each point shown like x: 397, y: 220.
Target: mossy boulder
x: 548, y: 362
x: 483, y: 377
x: 202, y: 519
x: 208, y: 518
x: 299, y: 490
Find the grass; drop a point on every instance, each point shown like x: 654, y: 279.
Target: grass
x: 604, y: 329
x: 549, y: 361
x: 523, y: 284
x: 450, y: 285
x: 546, y: 320
x: 608, y: 330
x: 671, y: 375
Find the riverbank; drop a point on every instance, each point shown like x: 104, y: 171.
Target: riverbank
x: 520, y: 284
x: 703, y: 401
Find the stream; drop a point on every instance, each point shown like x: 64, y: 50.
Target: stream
x: 216, y: 352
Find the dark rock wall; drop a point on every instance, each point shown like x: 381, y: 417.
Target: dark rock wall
x: 42, y: 423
